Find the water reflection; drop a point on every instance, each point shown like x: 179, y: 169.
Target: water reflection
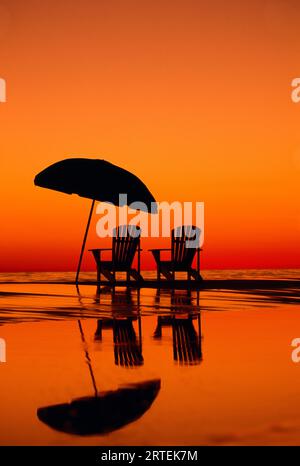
x: 124, y: 346
x: 183, y: 309
x: 102, y: 413
x: 124, y: 312
x: 110, y: 410
x: 107, y: 411
x: 186, y: 341
x: 127, y: 346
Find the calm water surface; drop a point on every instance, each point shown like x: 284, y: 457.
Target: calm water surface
x: 150, y: 368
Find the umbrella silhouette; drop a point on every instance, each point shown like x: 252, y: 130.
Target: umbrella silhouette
x: 98, y: 180
x: 105, y: 411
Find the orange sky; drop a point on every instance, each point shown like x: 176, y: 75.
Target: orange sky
x: 192, y: 96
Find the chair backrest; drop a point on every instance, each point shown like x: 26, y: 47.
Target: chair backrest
x: 186, y: 342
x: 126, y: 240
x: 127, y: 347
x: 185, y: 241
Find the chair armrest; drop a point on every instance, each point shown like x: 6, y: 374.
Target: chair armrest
x: 97, y: 254
x: 156, y: 253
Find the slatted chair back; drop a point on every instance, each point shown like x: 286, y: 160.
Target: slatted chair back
x: 127, y: 348
x: 186, y: 342
x: 185, y: 241
x: 126, y: 240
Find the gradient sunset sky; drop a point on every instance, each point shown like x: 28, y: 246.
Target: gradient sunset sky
x: 194, y: 97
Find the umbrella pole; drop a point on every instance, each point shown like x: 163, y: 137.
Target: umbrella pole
x: 88, y: 359
x: 84, y: 240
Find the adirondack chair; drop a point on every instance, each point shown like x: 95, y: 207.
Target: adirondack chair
x: 125, y: 244
x: 182, y: 255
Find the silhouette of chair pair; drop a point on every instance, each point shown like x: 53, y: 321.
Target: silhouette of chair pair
x: 126, y: 243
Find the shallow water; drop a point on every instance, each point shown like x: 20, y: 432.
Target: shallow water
x: 207, y: 274
x: 222, y: 359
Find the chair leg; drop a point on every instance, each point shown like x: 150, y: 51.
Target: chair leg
x: 167, y: 273
x: 135, y: 275
x: 198, y: 298
x: 158, y: 330
x: 98, y: 276
x: 98, y: 333
x: 110, y: 276
x: 158, y: 273
x: 196, y: 275
x: 198, y: 263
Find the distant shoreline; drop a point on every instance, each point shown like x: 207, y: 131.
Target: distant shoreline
x: 228, y: 284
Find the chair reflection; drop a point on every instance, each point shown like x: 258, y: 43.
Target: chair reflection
x: 187, y: 348
x: 181, y: 313
x: 127, y: 345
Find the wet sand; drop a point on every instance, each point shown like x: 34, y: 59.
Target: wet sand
x: 222, y: 358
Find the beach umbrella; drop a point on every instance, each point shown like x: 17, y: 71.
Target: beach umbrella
x: 103, y: 413
x: 98, y: 180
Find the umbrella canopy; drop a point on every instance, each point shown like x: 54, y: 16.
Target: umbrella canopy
x: 103, y: 413
x: 98, y: 180
x: 95, y: 179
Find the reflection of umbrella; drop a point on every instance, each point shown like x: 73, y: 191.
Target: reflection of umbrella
x: 94, y: 179
x: 103, y: 413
